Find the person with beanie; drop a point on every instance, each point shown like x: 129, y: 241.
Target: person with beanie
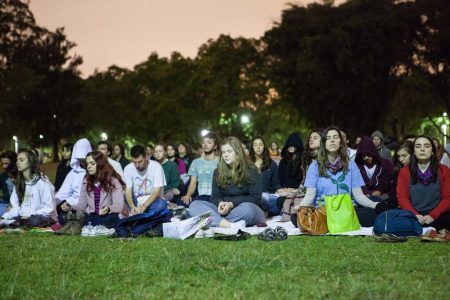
x: 378, y: 139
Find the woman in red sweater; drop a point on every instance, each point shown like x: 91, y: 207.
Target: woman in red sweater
x: 423, y: 188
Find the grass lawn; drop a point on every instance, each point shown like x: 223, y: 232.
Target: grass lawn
x: 43, y: 266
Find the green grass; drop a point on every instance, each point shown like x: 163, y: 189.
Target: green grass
x: 42, y: 266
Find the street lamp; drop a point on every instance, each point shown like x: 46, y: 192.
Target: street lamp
x: 41, y: 136
x: 104, y: 136
x: 16, y: 143
x: 204, y: 132
x: 245, y: 119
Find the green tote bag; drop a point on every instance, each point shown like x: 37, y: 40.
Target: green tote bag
x: 341, y: 215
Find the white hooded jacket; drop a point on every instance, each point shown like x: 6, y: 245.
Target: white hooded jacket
x: 70, y: 189
x: 39, y: 199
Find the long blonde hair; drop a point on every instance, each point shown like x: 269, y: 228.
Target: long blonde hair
x: 239, y: 171
x: 322, y: 158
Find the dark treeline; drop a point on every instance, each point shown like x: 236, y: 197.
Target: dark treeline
x: 363, y: 65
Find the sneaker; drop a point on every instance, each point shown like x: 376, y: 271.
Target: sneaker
x: 442, y: 236
x: 267, y: 235
x: 208, y: 233
x: 280, y: 233
x: 238, y: 225
x: 429, y: 236
x: 101, y: 230
x: 87, y: 230
x: 389, y: 238
x: 200, y: 234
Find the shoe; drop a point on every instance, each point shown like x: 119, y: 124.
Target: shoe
x: 75, y: 228
x: 443, y: 236
x: 239, y: 236
x: 200, y: 234
x: 389, y: 238
x: 280, y: 233
x: 87, y: 230
x: 429, y: 236
x: 101, y: 230
x: 208, y: 233
x: 267, y: 235
x: 63, y: 230
x: 238, y: 225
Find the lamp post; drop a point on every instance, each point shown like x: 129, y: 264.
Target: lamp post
x: 444, y: 127
x: 204, y: 132
x: 16, y: 143
x: 104, y: 136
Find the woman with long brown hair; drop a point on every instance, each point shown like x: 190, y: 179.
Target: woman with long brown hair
x: 101, y: 195
x: 33, y: 197
x: 236, y: 190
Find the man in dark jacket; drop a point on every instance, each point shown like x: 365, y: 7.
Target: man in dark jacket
x: 377, y: 172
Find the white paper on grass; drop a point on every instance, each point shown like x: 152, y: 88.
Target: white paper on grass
x: 183, y: 229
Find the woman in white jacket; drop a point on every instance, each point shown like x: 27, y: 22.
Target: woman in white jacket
x: 33, y: 197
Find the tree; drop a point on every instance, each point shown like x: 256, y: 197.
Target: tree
x: 337, y: 65
x: 38, y: 78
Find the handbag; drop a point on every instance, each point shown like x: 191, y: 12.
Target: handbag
x: 312, y: 220
x: 341, y: 214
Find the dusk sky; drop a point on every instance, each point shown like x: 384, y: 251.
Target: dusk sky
x: 124, y: 33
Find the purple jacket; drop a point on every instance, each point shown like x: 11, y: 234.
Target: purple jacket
x: 382, y: 177
x: 115, y: 200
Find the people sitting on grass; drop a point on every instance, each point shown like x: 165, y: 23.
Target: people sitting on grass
x: 102, y: 192
x: 185, y: 153
x: 346, y: 142
x: 378, y: 140
x: 8, y: 174
x: 33, y: 198
x: 441, y: 154
x: 260, y: 156
x: 290, y: 167
x: 401, y: 159
x: 376, y: 171
x: 106, y: 148
x: 145, y: 181
x: 119, y: 155
x: 334, y: 173
x: 64, y: 165
x: 172, y: 155
x: 312, y: 150
x: 69, y: 192
x: 201, y: 171
x: 170, y: 172
x: 236, y: 190
x: 423, y: 188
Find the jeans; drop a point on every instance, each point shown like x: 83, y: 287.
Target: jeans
x: 269, y: 204
x: 251, y: 213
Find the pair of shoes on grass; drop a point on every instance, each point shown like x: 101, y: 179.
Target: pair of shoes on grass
x: 204, y: 233
x: 273, y: 234
x: 98, y: 230
x: 442, y: 236
x: 389, y: 238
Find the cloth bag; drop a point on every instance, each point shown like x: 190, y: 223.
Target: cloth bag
x: 398, y: 222
x: 312, y: 220
x: 341, y: 214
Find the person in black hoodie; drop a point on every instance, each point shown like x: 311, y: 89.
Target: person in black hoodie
x: 377, y: 172
x: 290, y: 169
x: 64, y: 165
